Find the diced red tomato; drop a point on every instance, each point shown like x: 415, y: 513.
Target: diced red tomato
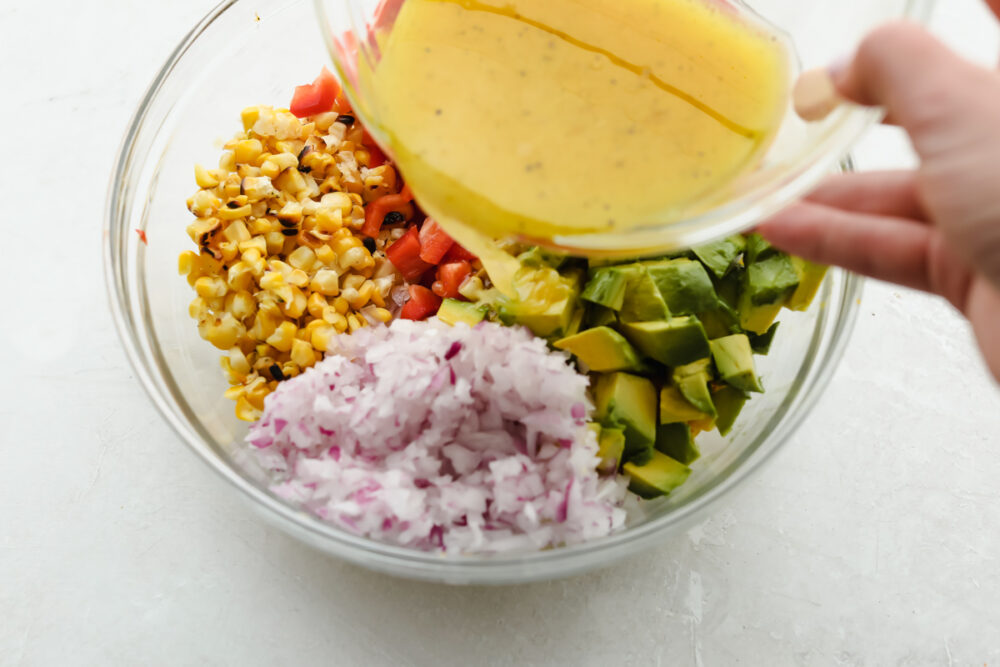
x: 458, y: 253
x: 142, y: 236
x: 449, y: 278
x: 377, y: 210
x: 434, y: 242
x: 386, y: 12
x: 405, y: 256
x: 377, y: 158
x: 316, y: 97
x: 422, y: 304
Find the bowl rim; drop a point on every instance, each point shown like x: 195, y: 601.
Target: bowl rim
x: 518, y: 567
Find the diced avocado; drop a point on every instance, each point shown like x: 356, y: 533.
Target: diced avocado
x: 771, y: 280
x: 611, y: 448
x: 675, y: 342
x: 720, y: 322
x: 675, y: 409
x: 757, y: 319
x: 453, y: 311
x: 728, y: 403
x: 734, y: 360
x: 599, y: 316
x: 628, y: 402
x: 602, y: 350
x: 728, y: 289
x: 719, y: 256
x: 537, y: 257
x: 684, y: 285
x: 545, y: 301
x: 810, y: 278
x: 761, y: 343
x: 606, y: 287
x: 692, y: 381
x: 657, y: 477
x: 758, y: 249
x: 677, y: 442
x: 575, y: 323
x: 642, y: 302
x: 598, y: 262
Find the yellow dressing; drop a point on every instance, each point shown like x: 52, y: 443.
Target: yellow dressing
x: 548, y: 117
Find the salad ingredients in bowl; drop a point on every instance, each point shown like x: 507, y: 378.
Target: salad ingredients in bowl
x: 396, y: 393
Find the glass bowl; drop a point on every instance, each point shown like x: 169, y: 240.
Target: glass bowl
x: 235, y: 58
x: 821, y: 31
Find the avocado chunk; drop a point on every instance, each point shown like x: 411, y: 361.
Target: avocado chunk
x: 611, y: 447
x: 771, y: 280
x: 675, y: 409
x: 599, y: 316
x: 675, y: 342
x: 728, y: 403
x: 642, y: 302
x: 606, y: 288
x: 453, y: 311
x: 628, y: 402
x: 545, y: 301
x: 758, y: 249
x: 734, y: 360
x: 537, y: 257
x: 692, y: 382
x: 684, y: 285
x: 602, y: 349
x: 720, y: 322
x: 810, y: 279
x: 719, y: 257
x: 761, y: 343
x: 757, y: 319
x: 677, y: 442
x: 657, y: 477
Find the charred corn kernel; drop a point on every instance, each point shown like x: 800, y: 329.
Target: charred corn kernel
x: 316, y: 304
x: 322, y: 337
x: 382, y: 315
x: 272, y: 281
x: 227, y: 213
x: 275, y: 242
x: 352, y: 281
x: 356, y: 258
x: 303, y: 258
x: 282, y: 337
x: 237, y: 231
x: 303, y: 354
x: 245, y: 411
x: 227, y: 161
x: 257, y: 188
x: 337, y: 320
x: 344, y: 244
x: 329, y: 220
x: 228, y: 251
x: 353, y: 323
x: 231, y: 374
x: 377, y: 297
x: 204, y: 178
x: 257, y: 244
x: 350, y: 295
x: 203, y: 203
x: 261, y: 225
x: 234, y: 393
x: 249, y: 117
x: 341, y: 305
x: 247, y: 151
x: 325, y: 282
x: 198, y: 309
x: 209, y: 287
x: 290, y: 214
x: 296, y: 305
x: 326, y: 255
x: 298, y: 278
x: 290, y: 181
x: 224, y: 332
x: 242, y: 305
x: 338, y: 200
x: 240, y: 276
x: 364, y: 295
x: 186, y: 263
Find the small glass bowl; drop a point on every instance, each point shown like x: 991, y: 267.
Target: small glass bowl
x: 236, y: 57
x: 821, y: 32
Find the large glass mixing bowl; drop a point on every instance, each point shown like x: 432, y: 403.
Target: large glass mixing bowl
x: 821, y: 32
x: 243, y: 54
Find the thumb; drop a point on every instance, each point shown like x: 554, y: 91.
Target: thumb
x: 926, y: 88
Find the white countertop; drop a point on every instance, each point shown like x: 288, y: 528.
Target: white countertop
x: 872, y: 539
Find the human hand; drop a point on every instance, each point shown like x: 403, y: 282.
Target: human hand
x: 936, y: 228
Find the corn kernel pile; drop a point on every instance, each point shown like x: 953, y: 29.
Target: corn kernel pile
x: 280, y: 269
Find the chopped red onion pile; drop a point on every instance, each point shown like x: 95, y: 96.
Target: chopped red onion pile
x: 441, y: 439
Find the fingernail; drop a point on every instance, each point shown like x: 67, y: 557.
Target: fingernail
x: 815, y: 96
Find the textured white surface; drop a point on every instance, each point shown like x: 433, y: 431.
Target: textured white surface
x: 871, y: 540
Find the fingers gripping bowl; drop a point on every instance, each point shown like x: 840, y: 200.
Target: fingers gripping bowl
x: 218, y: 70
